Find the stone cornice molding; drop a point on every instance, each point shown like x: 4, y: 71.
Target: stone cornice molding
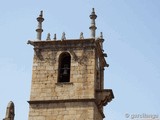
x: 70, y: 44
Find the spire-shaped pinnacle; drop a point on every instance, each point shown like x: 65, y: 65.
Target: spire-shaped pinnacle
x: 39, y: 29
x: 101, y: 35
x: 81, y: 35
x: 93, y: 27
x: 41, y: 13
x: 48, y: 36
x: 54, y: 37
x: 101, y: 40
x: 63, y: 36
x: 10, y: 113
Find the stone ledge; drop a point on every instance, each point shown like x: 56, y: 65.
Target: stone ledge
x: 36, y: 102
x: 74, y: 43
x: 63, y: 83
x: 60, y: 101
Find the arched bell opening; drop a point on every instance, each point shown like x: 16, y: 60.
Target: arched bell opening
x: 64, y: 67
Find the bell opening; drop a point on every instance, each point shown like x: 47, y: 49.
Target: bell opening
x: 64, y: 67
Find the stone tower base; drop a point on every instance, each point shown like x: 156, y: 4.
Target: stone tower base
x: 64, y: 110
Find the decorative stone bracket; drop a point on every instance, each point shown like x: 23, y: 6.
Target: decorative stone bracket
x: 30, y: 42
x: 103, y: 97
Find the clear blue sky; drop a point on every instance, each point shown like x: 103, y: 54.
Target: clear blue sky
x: 131, y: 30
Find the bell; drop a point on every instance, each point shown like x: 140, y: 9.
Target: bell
x: 65, y: 70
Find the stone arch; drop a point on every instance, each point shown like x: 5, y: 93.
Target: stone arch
x: 64, y: 67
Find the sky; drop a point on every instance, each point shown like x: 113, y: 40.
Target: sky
x: 131, y: 29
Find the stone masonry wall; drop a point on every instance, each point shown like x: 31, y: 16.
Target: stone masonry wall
x: 45, y: 75
x: 64, y: 111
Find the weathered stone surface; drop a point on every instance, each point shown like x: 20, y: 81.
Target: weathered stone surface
x: 46, y: 77
x: 65, y: 111
x: 74, y: 100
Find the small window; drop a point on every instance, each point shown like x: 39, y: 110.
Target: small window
x: 64, y: 67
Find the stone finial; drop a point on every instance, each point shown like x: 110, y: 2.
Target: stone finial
x: 48, y: 36
x: 10, y: 111
x: 101, y: 35
x: 39, y: 29
x: 101, y: 40
x: 63, y: 36
x: 93, y: 27
x: 54, y: 37
x: 81, y: 35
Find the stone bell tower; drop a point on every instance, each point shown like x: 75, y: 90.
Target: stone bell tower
x: 68, y: 77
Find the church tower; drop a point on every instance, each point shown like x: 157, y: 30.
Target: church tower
x: 68, y: 77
